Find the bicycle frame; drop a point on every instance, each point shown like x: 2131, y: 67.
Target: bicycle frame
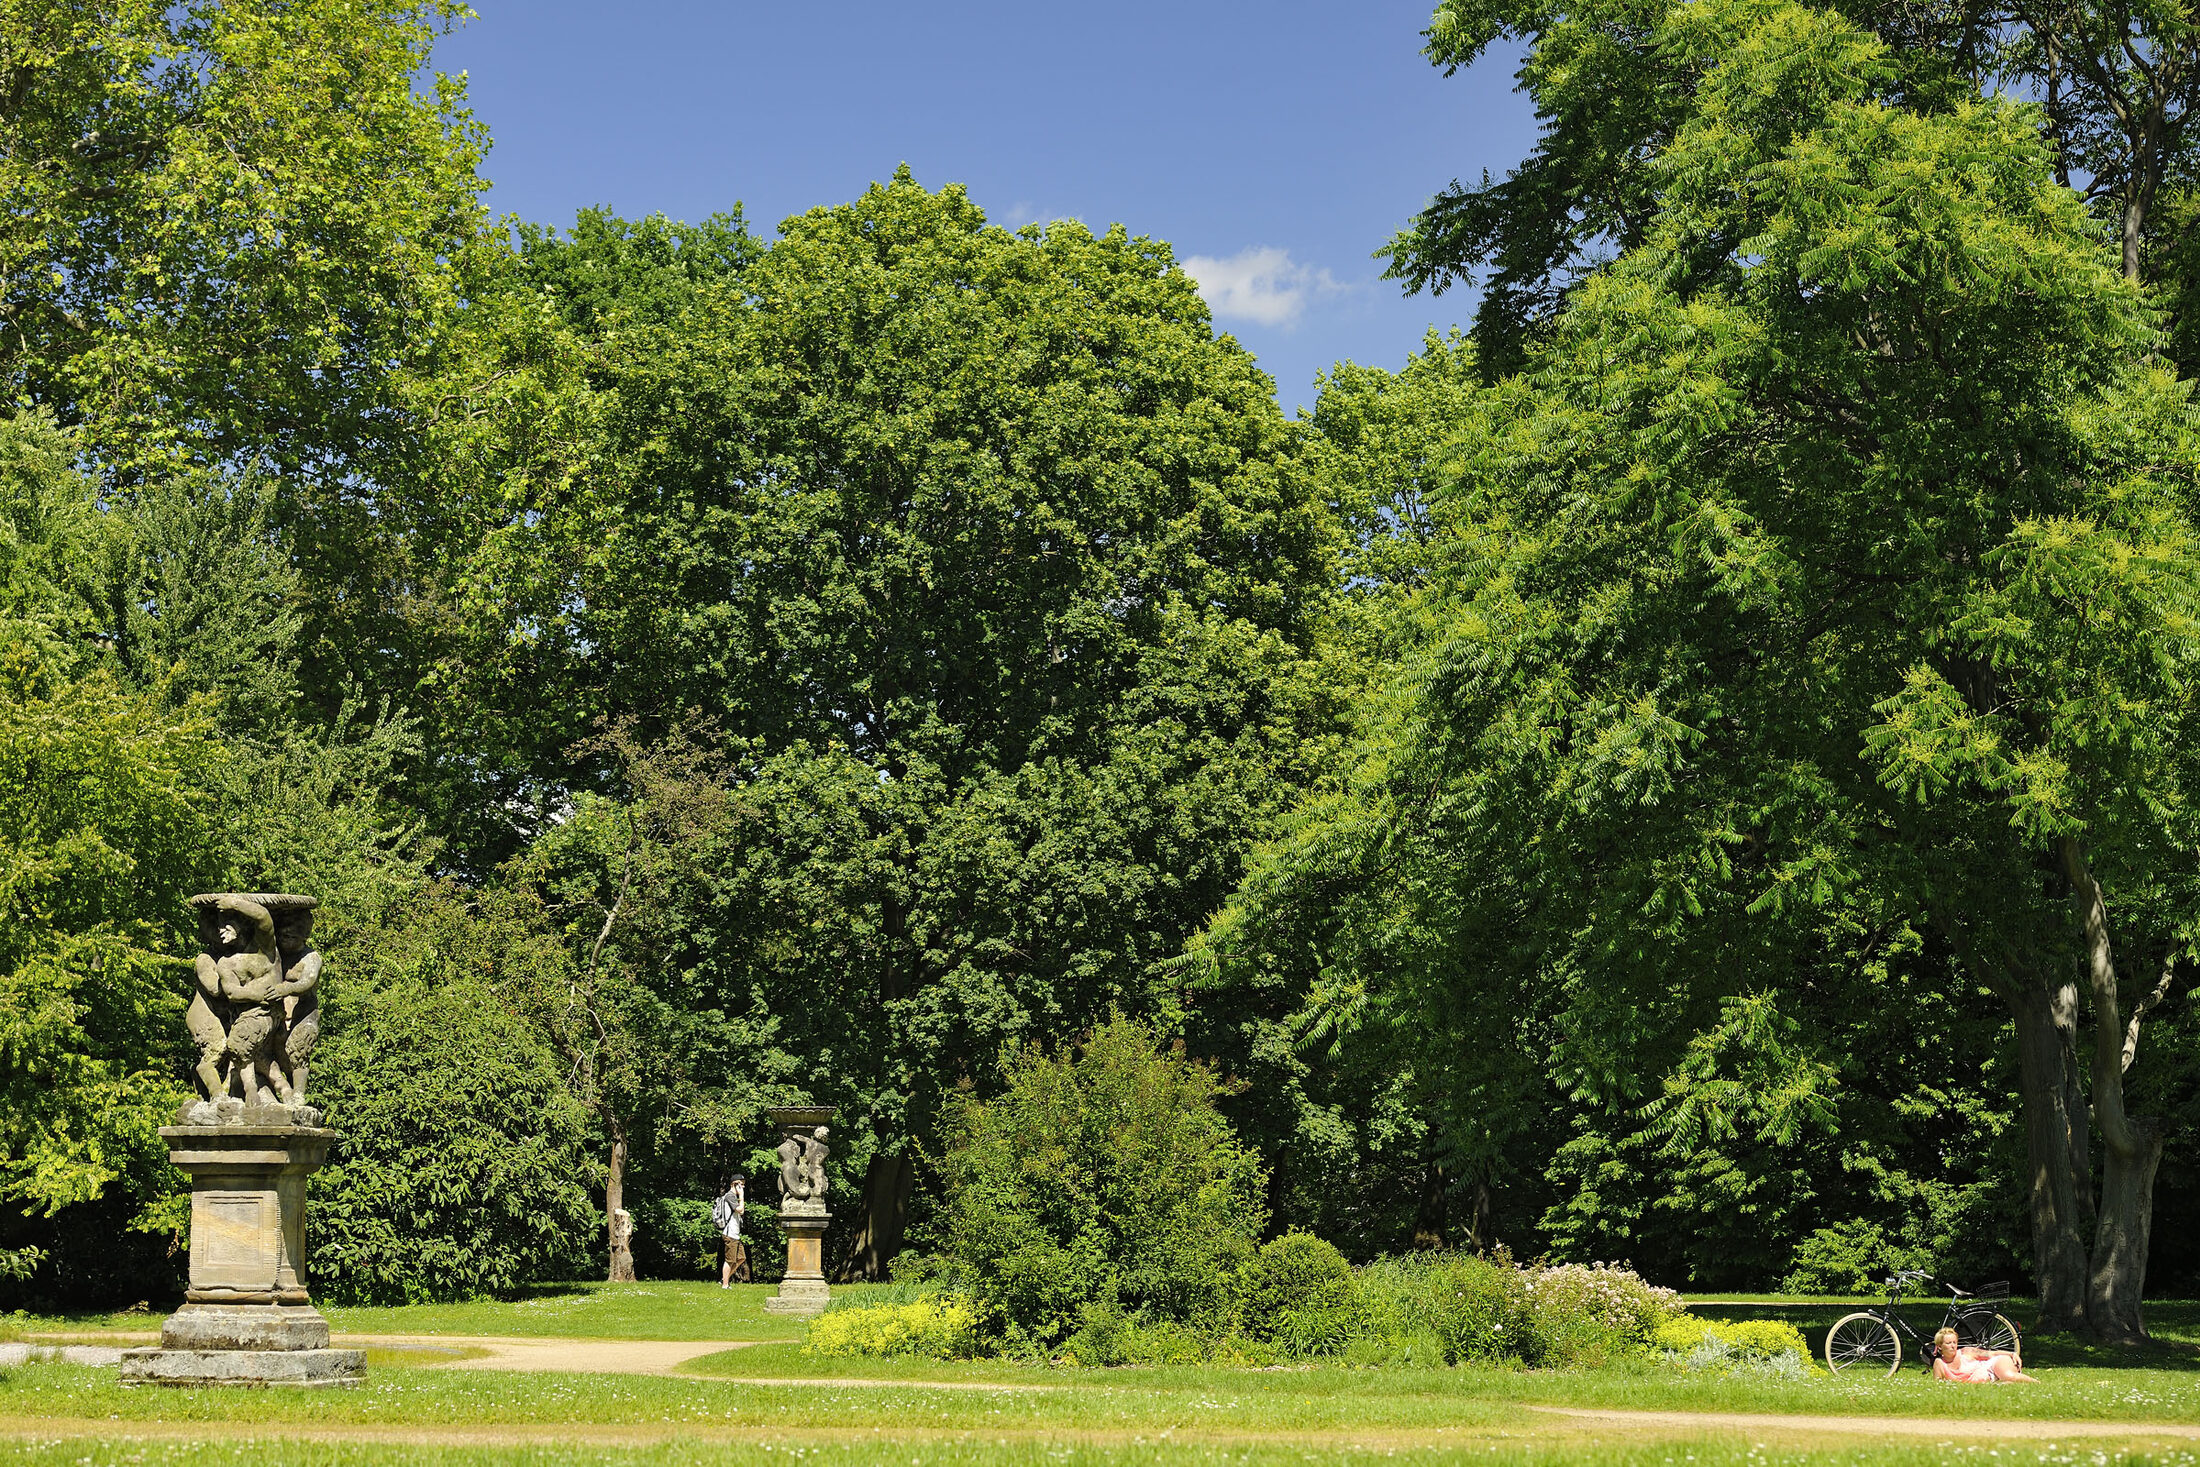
x: 1957, y: 1311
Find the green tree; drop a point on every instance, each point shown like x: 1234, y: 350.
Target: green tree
x: 225, y: 221
x: 664, y: 1063
x: 2118, y: 84
x: 1103, y: 1177
x: 999, y: 575
x: 1827, y: 595
x: 106, y: 817
x: 465, y: 1161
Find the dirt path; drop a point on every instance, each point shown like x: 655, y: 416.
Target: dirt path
x: 1940, y: 1428
x: 533, y: 1353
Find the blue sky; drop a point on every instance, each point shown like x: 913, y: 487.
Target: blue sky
x: 1274, y: 146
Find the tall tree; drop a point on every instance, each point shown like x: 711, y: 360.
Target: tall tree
x: 2117, y: 81
x: 1829, y: 586
x: 1000, y: 576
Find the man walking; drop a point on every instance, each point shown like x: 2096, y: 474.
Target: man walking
x: 727, y: 1212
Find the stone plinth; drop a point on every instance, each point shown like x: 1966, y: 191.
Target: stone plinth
x: 246, y: 1318
x: 803, y: 1290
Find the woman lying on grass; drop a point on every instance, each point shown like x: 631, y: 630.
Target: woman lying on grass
x: 1973, y: 1366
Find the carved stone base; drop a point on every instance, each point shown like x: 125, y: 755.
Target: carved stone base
x: 246, y: 1319
x: 244, y: 1367
x: 245, y: 1327
x: 801, y: 1297
x: 803, y: 1290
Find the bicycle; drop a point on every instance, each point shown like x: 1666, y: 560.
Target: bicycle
x: 1872, y: 1338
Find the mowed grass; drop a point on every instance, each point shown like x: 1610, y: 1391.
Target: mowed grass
x: 2063, y: 1394
x: 1677, y: 1451
x: 659, y: 1310
x: 773, y: 1403
x: 1671, y: 1451
x: 65, y: 1414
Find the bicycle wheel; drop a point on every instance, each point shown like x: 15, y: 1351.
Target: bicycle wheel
x: 1863, y: 1342
x: 1989, y: 1332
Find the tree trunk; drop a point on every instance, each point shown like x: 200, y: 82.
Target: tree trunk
x: 2135, y: 218
x: 614, y: 1203
x: 2113, y: 1305
x: 887, y: 1183
x: 2132, y: 1145
x: 2060, y: 1181
x: 1428, y: 1217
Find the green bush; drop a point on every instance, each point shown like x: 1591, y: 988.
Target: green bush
x: 1490, y: 1310
x: 1755, y: 1345
x: 1854, y: 1257
x: 465, y: 1162
x: 1297, y: 1290
x: 1101, y: 1178
x: 1107, y: 1336
x: 1479, y: 1311
x: 942, y: 1327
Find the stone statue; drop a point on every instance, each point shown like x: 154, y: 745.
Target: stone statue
x: 813, y: 1164
x: 802, y: 1214
x: 249, y: 1143
x: 255, y: 1013
x: 802, y: 1166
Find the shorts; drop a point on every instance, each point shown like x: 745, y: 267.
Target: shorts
x: 732, y: 1241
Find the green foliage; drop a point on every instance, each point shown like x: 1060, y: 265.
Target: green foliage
x: 1297, y: 1288
x: 939, y: 1328
x: 1704, y: 792
x: 105, y: 815
x: 1102, y: 1178
x: 995, y: 574
x: 1849, y: 1258
x: 226, y: 221
x: 1698, y: 1344
x: 465, y: 1162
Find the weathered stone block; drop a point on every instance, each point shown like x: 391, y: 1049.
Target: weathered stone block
x: 245, y: 1327
x: 243, y: 1367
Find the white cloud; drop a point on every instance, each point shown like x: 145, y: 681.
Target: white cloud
x: 1261, y: 284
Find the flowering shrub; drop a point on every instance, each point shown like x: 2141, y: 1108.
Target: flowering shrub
x: 939, y: 1328
x: 1753, y: 1346
x: 1491, y: 1310
x: 1585, y: 1313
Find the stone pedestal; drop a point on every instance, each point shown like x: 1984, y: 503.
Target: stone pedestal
x: 802, y: 1214
x: 803, y: 1290
x: 246, y: 1319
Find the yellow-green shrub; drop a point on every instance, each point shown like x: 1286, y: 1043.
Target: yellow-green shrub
x: 1698, y: 1343
x: 941, y: 1328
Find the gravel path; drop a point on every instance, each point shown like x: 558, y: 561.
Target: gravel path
x: 588, y: 1357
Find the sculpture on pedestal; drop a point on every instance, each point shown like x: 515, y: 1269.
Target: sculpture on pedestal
x: 249, y: 1141
x: 255, y: 1014
x: 802, y: 1214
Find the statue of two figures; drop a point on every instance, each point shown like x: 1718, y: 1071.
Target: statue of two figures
x: 802, y: 1183
x: 255, y: 1010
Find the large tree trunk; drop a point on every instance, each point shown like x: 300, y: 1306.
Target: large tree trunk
x: 2131, y: 1145
x: 2113, y: 1305
x: 2060, y: 1181
x: 614, y: 1202
x: 887, y: 1184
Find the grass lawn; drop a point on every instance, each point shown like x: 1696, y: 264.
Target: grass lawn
x: 771, y: 1403
x: 675, y: 1310
x: 55, y: 1413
